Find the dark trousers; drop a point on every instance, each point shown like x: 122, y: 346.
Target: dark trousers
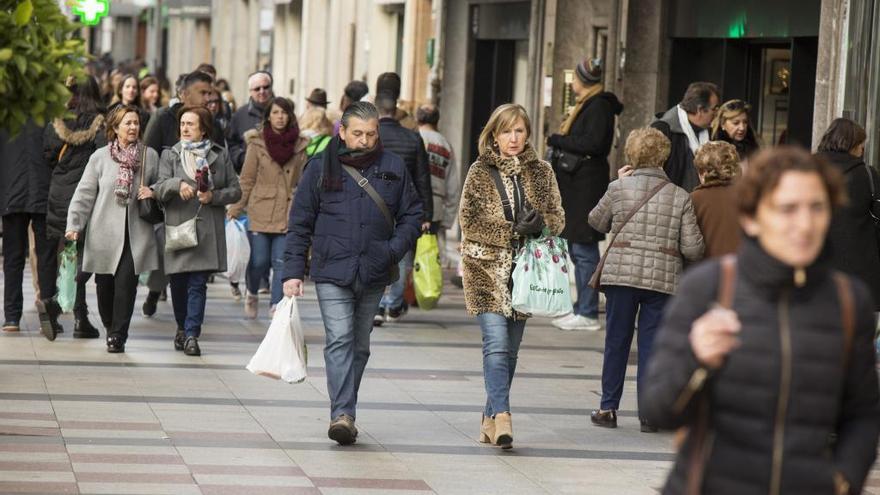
x: 188, y: 297
x: 117, y: 294
x: 621, y: 306
x: 15, y: 252
x: 80, y: 308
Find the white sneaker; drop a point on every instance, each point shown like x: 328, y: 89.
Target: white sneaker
x: 581, y: 323
x: 559, y: 321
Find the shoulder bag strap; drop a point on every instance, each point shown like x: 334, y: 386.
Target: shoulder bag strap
x: 847, y: 314
x: 365, y: 185
x: 871, y: 181
x: 502, y: 191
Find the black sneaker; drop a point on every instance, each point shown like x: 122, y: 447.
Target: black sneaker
x: 11, y: 326
x: 342, y: 430
x: 605, y: 419
x: 379, y: 319
x: 149, y: 307
x: 395, y: 314
x: 179, y: 339
x: 83, y: 329
x: 191, y: 347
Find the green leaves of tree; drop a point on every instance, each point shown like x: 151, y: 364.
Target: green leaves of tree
x: 37, y: 54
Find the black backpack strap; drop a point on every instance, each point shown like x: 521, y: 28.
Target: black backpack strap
x: 502, y: 191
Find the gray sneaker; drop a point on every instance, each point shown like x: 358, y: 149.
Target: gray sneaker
x: 342, y: 430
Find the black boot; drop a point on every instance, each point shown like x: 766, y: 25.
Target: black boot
x: 115, y: 345
x: 179, y: 339
x: 149, y: 307
x: 49, y: 311
x: 83, y: 329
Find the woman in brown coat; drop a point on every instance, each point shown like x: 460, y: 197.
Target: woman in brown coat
x: 714, y: 200
x: 276, y: 156
x: 490, y: 237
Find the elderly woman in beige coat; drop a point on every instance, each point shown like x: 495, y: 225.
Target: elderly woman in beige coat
x: 119, y: 245
x: 273, y: 164
x: 491, y: 234
x: 643, y: 262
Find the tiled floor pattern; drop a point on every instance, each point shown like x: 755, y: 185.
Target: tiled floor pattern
x: 74, y: 419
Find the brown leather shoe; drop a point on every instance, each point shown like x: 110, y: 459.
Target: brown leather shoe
x: 605, y: 419
x: 503, y: 431
x: 487, y: 429
x: 342, y: 430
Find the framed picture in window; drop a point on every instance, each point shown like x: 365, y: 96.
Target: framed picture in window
x: 780, y: 76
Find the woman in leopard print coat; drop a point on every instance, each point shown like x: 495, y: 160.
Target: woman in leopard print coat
x: 488, y: 245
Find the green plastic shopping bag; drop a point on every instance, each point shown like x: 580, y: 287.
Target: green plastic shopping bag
x: 67, y: 277
x: 427, y: 273
x: 540, y: 278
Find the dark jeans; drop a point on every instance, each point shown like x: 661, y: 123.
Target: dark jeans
x: 585, y: 258
x: 267, y: 251
x: 188, y: 297
x: 621, y: 305
x: 15, y: 251
x: 117, y: 294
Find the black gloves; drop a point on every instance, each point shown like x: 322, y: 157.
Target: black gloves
x: 529, y: 223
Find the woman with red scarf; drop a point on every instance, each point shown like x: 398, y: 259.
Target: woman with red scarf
x: 273, y: 164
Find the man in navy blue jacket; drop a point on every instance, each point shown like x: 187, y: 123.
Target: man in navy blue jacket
x: 357, y: 240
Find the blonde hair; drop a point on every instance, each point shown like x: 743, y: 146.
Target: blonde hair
x: 729, y: 110
x: 502, y: 119
x: 316, y: 119
x: 718, y: 161
x: 646, y: 148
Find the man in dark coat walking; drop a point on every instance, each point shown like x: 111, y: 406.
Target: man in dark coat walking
x: 588, y: 133
x: 687, y: 127
x: 24, y: 190
x: 249, y: 116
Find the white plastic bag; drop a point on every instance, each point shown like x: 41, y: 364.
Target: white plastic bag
x: 238, y: 251
x: 282, y: 355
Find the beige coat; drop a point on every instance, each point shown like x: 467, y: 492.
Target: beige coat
x: 648, y: 252
x: 267, y: 188
x: 95, y: 213
x: 486, y: 251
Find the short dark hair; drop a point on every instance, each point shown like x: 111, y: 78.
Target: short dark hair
x: 386, y: 104
x: 428, y: 114
x: 362, y: 110
x: 194, y: 77
x: 390, y: 82
x: 284, y: 104
x: 767, y: 167
x: 208, y: 68
x: 842, y: 136
x: 698, y: 95
x: 206, y: 120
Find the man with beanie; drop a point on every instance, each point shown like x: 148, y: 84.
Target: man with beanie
x: 687, y: 127
x: 409, y: 146
x: 586, y: 135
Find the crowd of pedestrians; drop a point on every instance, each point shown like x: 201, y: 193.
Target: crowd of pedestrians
x: 762, y: 337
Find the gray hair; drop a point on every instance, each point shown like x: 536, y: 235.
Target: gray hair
x: 362, y: 110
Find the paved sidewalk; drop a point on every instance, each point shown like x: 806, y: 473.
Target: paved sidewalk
x: 74, y: 419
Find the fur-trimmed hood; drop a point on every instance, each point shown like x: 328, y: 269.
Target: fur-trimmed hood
x: 78, y: 136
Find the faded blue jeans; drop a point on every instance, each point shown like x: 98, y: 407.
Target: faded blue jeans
x: 348, y: 320
x: 267, y: 251
x: 501, y: 339
x: 394, y: 298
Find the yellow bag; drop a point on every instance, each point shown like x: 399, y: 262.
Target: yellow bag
x: 427, y: 273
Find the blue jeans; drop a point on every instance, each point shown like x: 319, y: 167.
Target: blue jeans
x: 348, y: 320
x: 585, y: 258
x: 621, y: 305
x: 267, y: 250
x: 394, y: 297
x: 501, y: 339
x: 188, y: 298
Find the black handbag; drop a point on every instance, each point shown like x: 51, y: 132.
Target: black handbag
x: 148, y: 209
x: 565, y: 161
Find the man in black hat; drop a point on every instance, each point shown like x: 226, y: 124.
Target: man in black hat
x: 317, y: 99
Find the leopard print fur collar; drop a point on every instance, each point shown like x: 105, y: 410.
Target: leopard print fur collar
x: 513, y: 165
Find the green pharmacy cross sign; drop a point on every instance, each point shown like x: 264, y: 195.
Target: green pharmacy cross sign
x: 90, y: 12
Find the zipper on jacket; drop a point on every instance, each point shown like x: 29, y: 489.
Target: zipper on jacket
x: 784, y: 393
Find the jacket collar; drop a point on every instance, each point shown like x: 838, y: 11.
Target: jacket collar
x: 770, y: 275
x: 651, y: 172
x: 254, y: 109
x: 513, y: 165
x: 842, y: 160
x: 211, y: 157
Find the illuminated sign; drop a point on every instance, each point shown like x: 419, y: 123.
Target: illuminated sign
x: 90, y: 12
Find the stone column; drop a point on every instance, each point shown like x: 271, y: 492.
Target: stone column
x: 829, y: 83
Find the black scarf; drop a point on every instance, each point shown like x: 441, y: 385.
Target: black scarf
x: 337, y: 153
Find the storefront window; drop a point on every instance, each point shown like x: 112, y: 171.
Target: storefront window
x: 862, y: 91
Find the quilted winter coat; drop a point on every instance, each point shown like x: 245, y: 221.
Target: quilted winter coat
x: 487, y: 236
x: 649, y: 252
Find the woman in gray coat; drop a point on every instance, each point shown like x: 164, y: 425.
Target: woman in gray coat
x: 119, y: 245
x: 196, y: 178
x: 644, y: 261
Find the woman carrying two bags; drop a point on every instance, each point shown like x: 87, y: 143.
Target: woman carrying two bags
x: 196, y: 182
x: 119, y: 244
x: 489, y: 244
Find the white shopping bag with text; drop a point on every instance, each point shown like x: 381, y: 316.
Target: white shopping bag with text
x: 282, y: 355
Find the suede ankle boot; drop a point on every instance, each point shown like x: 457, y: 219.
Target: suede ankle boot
x: 503, y: 431
x: 487, y: 430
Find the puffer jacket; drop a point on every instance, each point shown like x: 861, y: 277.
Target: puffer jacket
x: 78, y: 139
x: 267, y: 188
x: 24, y: 176
x: 409, y: 146
x: 648, y: 252
x: 788, y: 403
x: 488, y: 237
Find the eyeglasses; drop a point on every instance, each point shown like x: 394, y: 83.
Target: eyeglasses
x: 261, y: 88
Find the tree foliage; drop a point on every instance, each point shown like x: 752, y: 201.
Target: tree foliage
x: 37, y: 55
